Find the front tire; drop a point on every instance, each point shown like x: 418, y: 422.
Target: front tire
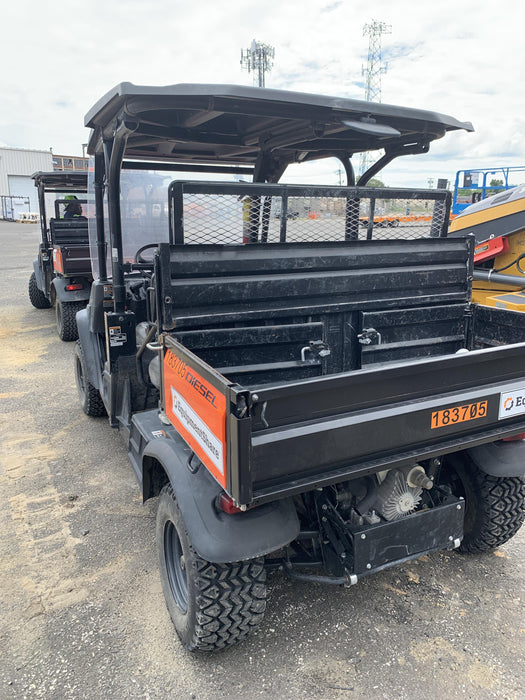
x: 66, y: 315
x: 211, y: 605
x: 90, y: 398
x: 494, y: 506
x: 36, y: 295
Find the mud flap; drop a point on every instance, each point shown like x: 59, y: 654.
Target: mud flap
x: 90, y: 348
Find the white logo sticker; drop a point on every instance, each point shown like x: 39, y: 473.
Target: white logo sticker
x: 512, y: 403
x: 209, y: 442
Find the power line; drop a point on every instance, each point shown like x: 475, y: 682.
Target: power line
x: 258, y: 59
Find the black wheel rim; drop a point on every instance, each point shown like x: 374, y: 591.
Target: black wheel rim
x: 174, y: 559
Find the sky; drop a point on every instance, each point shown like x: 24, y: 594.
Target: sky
x: 462, y: 59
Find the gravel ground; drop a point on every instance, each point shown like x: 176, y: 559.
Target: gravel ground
x: 83, y: 614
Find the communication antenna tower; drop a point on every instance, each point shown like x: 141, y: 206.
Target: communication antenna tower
x: 373, y: 71
x: 258, y: 59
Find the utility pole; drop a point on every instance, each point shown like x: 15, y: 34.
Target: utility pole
x: 258, y: 59
x: 373, y: 71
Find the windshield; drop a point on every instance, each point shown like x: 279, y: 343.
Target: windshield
x: 144, y: 214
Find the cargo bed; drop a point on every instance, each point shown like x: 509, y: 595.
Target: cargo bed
x: 330, y: 361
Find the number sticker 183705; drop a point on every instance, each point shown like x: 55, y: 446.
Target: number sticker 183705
x: 458, y: 414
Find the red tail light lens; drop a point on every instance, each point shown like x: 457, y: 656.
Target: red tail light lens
x: 514, y: 438
x: 226, y: 504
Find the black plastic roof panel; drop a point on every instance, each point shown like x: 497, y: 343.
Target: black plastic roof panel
x: 61, y: 180
x: 231, y: 124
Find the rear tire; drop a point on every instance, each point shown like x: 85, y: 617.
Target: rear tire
x: 90, y: 398
x: 211, y: 605
x: 36, y: 295
x: 494, y: 506
x: 66, y: 315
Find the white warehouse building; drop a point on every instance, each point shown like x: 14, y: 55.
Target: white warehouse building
x: 16, y: 167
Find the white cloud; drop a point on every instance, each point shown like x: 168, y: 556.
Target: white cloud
x: 463, y: 59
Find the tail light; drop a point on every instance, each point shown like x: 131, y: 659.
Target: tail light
x: 227, y: 505
x: 73, y: 287
x: 514, y: 438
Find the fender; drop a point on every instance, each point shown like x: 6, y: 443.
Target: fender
x: 500, y: 458
x: 90, y: 348
x: 59, y: 283
x: 215, y: 536
x: 39, y: 276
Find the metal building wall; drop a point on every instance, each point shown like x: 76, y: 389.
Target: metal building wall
x: 21, y: 161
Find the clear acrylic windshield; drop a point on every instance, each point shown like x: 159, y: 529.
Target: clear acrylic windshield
x: 144, y: 214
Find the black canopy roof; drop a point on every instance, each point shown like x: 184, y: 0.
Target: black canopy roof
x: 231, y: 124
x: 59, y: 180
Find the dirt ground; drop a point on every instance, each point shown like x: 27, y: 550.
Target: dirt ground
x: 83, y: 615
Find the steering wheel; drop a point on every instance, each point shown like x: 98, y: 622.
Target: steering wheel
x: 138, y: 255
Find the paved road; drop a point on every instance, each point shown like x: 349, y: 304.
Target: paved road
x: 83, y: 614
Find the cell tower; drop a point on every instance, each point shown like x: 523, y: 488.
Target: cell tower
x: 258, y: 59
x: 373, y: 71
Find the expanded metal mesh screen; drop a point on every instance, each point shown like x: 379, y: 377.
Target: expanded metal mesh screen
x: 222, y: 217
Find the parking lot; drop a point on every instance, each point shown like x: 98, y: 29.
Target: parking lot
x: 83, y: 615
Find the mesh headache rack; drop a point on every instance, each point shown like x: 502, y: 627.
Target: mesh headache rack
x: 233, y: 213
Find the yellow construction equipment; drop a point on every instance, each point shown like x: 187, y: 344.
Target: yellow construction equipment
x: 498, y: 224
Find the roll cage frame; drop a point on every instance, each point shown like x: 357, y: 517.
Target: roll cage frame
x: 56, y: 181
x: 234, y: 129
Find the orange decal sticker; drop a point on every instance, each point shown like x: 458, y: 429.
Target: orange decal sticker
x: 198, y: 412
x: 458, y: 414
x: 58, y: 264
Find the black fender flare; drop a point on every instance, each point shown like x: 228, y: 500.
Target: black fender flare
x: 90, y: 348
x: 500, y: 458
x: 39, y: 276
x: 59, y: 283
x: 216, y: 536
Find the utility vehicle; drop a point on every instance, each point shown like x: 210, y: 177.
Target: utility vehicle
x: 62, y: 271
x: 303, y: 394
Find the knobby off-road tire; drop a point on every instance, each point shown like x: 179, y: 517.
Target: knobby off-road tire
x: 90, y: 398
x: 495, y: 506
x: 36, y: 295
x: 211, y: 605
x: 66, y: 315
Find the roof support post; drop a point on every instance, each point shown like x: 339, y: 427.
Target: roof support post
x: 346, y: 161
x: 113, y: 154
x: 352, y: 203
x: 43, y: 222
x: 391, y: 153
